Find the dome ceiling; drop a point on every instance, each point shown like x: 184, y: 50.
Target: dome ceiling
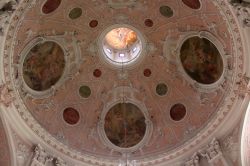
x: 155, y: 105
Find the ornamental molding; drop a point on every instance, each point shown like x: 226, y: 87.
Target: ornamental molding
x: 43, y: 158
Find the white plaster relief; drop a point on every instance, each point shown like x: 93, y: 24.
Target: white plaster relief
x: 194, y: 161
x: 242, y: 9
x: 43, y: 158
x: 5, y: 95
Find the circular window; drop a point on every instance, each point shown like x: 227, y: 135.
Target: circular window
x: 50, y: 6
x: 193, y: 4
x: 71, y: 116
x: 178, y: 112
x: 43, y: 66
x: 201, y: 60
x: 85, y: 91
x: 161, y: 89
x: 166, y: 11
x: 75, y: 13
x: 121, y: 46
x: 125, y: 125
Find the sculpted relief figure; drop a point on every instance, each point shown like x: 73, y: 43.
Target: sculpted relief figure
x: 7, y: 7
x: 5, y: 96
x: 242, y: 8
x: 212, y: 150
x: 60, y: 162
x: 41, y: 156
x: 194, y: 161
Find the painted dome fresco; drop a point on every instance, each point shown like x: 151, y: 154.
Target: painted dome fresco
x: 107, y: 81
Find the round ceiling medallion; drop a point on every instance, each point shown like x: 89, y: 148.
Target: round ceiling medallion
x: 71, y: 116
x: 93, y: 23
x: 121, y: 46
x: 75, y: 13
x: 177, y: 112
x: 50, y: 6
x: 193, y: 4
x: 161, y: 89
x: 43, y: 66
x: 97, y: 73
x: 84, y: 91
x: 147, y: 72
x: 125, y: 125
x: 148, y: 22
x: 166, y: 11
x: 201, y: 60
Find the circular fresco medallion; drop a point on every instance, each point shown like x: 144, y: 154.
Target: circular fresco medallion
x: 85, y: 91
x: 43, y: 66
x: 201, y: 60
x: 125, y: 125
x: 71, y: 116
x: 166, y: 11
x: 193, y: 4
x: 177, y: 112
x: 161, y: 89
x: 50, y: 6
x: 75, y: 13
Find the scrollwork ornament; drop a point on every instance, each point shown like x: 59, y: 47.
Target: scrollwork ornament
x: 194, y: 161
x: 242, y: 9
x: 212, y: 150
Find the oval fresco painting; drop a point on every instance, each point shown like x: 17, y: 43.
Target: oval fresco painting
x: 201, y: 60
x: 43, y: 66
x: 125, y: 125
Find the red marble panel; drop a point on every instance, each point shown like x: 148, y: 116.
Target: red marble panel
x: 71, y: 116
x: 193, y: 4
x: 178, y: 112
x: 50, y: 6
